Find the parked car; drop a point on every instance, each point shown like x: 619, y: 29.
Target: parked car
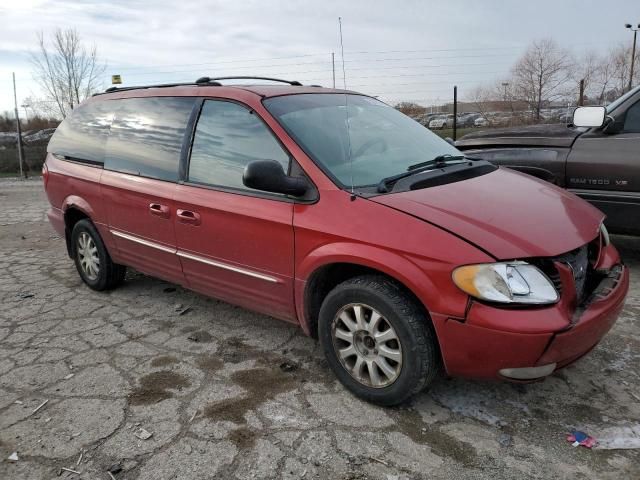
x: 439, y: 123
x: 599, y: 162
x: 481, y: 122
x: 467, y: 120
x: 399, y: 254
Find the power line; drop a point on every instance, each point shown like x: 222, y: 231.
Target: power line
x: 305, y: 63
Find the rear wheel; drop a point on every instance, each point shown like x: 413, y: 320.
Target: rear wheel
x: 377, y: 340
x: 92, y: 260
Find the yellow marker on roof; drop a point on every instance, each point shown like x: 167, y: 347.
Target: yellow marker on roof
x: 116, y: 80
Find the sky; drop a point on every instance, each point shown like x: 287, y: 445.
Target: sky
x: 400, y: 50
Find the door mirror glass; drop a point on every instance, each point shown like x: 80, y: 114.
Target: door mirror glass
x: 589, y: 117
x: 269, y: 176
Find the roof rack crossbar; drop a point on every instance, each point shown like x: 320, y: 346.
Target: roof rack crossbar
x: 210, y: 80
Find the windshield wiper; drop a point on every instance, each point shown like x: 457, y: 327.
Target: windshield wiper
x: 436, y: 162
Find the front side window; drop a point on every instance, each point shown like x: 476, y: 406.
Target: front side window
x: 83, y: 134
x: 228, y: 137
x: 146, y: 136
x: 632, y: 119
x: 357, y: 139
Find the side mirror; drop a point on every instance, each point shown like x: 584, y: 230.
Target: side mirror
x: 589, y: 117
x: 269, y: 176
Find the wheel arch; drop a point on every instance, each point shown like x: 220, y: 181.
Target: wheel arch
x: 74, y: 209
x: 322, y: 271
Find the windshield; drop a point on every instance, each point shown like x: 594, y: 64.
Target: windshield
x: 383, y: 142
x: 612, y: 106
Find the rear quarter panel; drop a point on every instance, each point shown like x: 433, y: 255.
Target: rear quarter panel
x: 77, y: 185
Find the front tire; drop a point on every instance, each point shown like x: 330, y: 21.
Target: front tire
x: 92, y: 260
x: 377, y: 340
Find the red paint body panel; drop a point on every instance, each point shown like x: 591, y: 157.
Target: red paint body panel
x: 247, y: 232
x: 261, y: 253
x: 509, y: 214
x: 127, y: 199
x: 339, y: 230
x: 477, y: 352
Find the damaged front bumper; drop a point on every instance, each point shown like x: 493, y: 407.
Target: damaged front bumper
x: 527, y: 344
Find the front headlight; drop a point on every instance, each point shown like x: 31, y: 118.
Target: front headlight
x: 605, y: 235
x: 506, y: 282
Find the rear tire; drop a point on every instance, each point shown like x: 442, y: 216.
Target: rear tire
x: 92, y: 260
x: 377, y: 340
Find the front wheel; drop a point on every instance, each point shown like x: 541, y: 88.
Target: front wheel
x: 377, y: 341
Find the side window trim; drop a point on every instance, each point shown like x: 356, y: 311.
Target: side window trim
x: 187, y: 141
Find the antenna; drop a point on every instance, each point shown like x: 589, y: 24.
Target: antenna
x: 344, y: 75
x: 346, y: 108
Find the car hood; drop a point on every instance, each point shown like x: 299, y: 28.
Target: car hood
x: 553, y: 135
x: 506, y: 213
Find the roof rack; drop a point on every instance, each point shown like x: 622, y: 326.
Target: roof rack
x: 139, y: 87
x: 209, y: 80
x: 202, y: 81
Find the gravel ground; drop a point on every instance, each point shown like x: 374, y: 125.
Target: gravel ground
x: 226, y: 393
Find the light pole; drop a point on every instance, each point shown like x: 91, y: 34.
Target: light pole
x: 26, y: 116
x: 505, y: 85
x: 633, y: 51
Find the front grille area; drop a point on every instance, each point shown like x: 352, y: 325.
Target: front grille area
x: 581, y: 261
x: 578, y: 261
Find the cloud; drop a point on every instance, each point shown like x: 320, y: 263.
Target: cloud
x: 431, y: 44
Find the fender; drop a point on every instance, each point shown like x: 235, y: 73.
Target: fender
x: 74, y: 201
x: 79, y: 203
x: 392, y: 264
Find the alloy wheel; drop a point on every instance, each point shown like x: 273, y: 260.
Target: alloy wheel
x: 367, y: 345
x: 88, y: 256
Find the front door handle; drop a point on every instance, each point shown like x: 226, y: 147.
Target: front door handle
x: 159, y: 210
x: 187, y: 216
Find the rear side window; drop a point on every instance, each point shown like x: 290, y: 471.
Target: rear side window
x: 146, y: 136
x: 82, y: 136
x: 227, y: 138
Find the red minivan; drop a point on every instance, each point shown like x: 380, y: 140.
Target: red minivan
x: 329, y: 209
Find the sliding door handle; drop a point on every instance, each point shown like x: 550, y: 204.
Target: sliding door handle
x: 187, y: 216
x: 159, y: 210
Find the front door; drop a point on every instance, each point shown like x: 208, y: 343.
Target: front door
x: 140, y: 179
x: 235, y: 243
x: 604, y: 168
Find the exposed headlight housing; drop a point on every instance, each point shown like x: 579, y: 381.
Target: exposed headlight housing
x: 506, y: 282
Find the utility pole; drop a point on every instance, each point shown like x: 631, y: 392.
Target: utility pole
x: 633, y: 51
x: 20, y: 150
x: 333, y: 68
x: 455, y: 112
x: 581, y: 97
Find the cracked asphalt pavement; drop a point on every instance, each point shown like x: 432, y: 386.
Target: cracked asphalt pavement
x: 227, y: 393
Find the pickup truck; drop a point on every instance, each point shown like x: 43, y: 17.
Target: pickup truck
x: 597, y: 159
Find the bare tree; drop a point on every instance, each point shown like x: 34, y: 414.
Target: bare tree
x: 410, y: 108
x: 604, y: 79
x: 542, y: 74
x: 67, y: 71
x: 621, y: 58
x: 587, y: 69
